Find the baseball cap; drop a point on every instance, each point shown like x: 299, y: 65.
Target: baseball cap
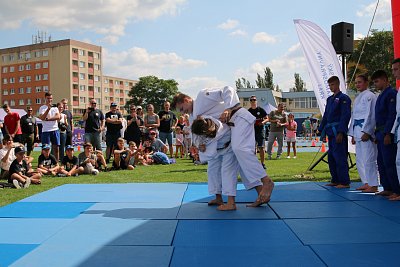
x: 45, y: 146
x: 139, y: 107
x: 113, y: 104
x: 19, y: 149
x: 152, y: 132
x: 70, y: 147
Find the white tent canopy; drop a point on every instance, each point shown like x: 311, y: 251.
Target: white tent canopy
x: 268, y: 108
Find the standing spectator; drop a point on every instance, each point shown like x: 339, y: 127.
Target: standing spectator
x: 133, y: 132
x: 335, y: 123
x: 307, y: 128
x: 291, y: 128
x: 151, y: 120
x: 261, y: 119
x: 7, y: 156
x: 50, y: 115
x: 70, y: 120
x: 361, y: 130
x: 114, y: 125
x: 178, y: 142
x: 278, y: 121
x: 94, y: 125
x: 168, y: 123
x: 63, y: 126
x: 187, y: 135
x: 12, y: 124
x: 30, y: 131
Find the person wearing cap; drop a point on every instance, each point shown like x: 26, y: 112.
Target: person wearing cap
x: 156, y: 144
x: 134, y: 122
x: 50, y: 115
x: 30, y: 131
x: 47, y: 163
x: 7, y: 156
x: 114, y: 125
x: 70, y: 164
x: 21, y: 174
x: 94, y: 124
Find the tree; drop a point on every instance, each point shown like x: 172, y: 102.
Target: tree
x: 152, y: 90
x: 267, y: 81
x: 299, y: 85
x: 243, y: 83
x: 378, y: 54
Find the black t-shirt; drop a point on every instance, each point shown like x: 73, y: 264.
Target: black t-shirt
x: 17, y: 167
x: 93, y: 121
x: 122, y: 165
x: 47, y: 162
x: 113, y: 128
x: 260, y: 115
x: 69, y: 163
x: 133, y: 129
x: 167, y: 119
x: 28, y: 124
x: 69, y: 119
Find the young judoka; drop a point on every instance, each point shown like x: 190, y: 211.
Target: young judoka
x: 224, y: 103
x: 362, y: 127
x: 396, y: 128
x: 213, y: 139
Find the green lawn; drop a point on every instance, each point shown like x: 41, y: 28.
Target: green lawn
x: 183, y: 171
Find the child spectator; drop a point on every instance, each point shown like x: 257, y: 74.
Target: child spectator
x: 21, y: 175
x: 7, y: 156
x: 47, y: 163
x: 291, y: 128
x: 178, y: 142
x: 70, y: 164
x: 121, y: 156
x: 187, y: 135
x: 87, y: 160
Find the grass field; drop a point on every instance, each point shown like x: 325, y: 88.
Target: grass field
x: 183, y: 171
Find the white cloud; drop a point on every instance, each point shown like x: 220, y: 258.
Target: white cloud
x: 383, y: 14
x: 193, y: 85
x: 359, y: 36
x: 238, y: 33
x: 107, y: 17
x: 229, y: 24
x: 136, y: 62
x: 263, y: 37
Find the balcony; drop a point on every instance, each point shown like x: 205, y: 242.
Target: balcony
x: 75, y: 91
x: 75, y: 103
x: 91, y: 94
x: 90, y: 59
x: 75, y: 67
x: 75, y: 55
x: 90, y: 82
x: 90, y: 70
x: 75, y: 79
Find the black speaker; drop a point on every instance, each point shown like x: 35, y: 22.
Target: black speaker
x: 342, y: 35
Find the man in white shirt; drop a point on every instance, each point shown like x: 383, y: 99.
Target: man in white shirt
x: 49, y: 114
x: 362, y: 128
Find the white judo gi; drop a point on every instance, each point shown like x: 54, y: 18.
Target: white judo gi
x: 396, y: 132
x: 213, y: 102
x: 222, y: 167
x: 363, y: 121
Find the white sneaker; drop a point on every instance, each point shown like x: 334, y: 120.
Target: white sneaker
x: 288, y: 157
x: 27, y: 182
x: 95, y: 172
x: 16, y: 184
x: 295, y: 157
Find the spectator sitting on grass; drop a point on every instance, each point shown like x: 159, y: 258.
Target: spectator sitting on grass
x: 156, y: 144
x: 21, y: 175
x: 7, y: 156
x: 121, y: 156
x: 88, y: 160
x: 70, y: 164
x: 135, y: 155
x: 47, y: 163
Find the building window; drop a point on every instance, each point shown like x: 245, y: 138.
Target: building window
x: 11, y: 68
x: 28, y: 79
x: 82, y: 76
x: 37, y: 66
x: 81, y: 64
x: 117, y: 91
x: 28, y: 66
x: 45, y: 77
x: 12, y: 57
x: 38, y: 89
x: 45, y: 53
x: 38, y: 100
x: 28, y: 90
x: 5, y: 81
x: 21, y: 90
x: 5, y: 70
x: 96, y: 66
x: 45, y: 65
x: 96, y: 78
x: 107, y: 98
x: 28, y: 55
x: 29, y: 101
x: 12, y: 80
x: 20, y: 56
x: 97, y: 55
x: 12, y: 91
x: 5, y: 92
x: 97, y: 89
x: 21, y: 79
x: 38, y: 77
x: 98, y: 101
x: 116, y: 82
x: 38, y: 54
x: 5, y: 102
x: 21, y: 102
x: 45, y: 88
x: 12, y: 103
x: 82, y: 87
x: 126, y: 83
x: 4, y: 58
x: 82, y: 99
x: 126, y: 92
x: 105, y: 89
x: 105, y: 80
x: 21, y: 67
x: 81, y: 52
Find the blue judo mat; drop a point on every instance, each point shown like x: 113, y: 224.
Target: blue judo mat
x: 305, y: 224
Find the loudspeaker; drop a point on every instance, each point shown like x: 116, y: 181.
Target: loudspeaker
x: 342, y: 35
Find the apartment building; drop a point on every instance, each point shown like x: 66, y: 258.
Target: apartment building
x: 68, y: 68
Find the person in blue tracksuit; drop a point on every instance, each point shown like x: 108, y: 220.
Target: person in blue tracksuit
x: 385, y: 116
x: 334, y: 124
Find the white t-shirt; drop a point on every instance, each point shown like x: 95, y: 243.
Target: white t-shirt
x: 49, y: 126
x: 11, y: 157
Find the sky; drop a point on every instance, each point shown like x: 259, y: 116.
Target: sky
x: 198, y: 43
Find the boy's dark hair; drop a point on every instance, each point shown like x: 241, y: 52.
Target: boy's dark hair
x: 206, y: 127
x: 178, y: 99
x: 48, y: 94
x: 333, y: 79
x: 5, y: 106
x: 379, y: 74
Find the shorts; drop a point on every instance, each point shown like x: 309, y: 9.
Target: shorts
x: 111, y: 139
x: 164, y: 137
x: 52, y: 137
x: 290, y: 139
x: 260, y: 139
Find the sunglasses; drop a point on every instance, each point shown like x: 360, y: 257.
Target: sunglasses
x: 253, y: 100
x: 93, y: 103
x: 153, y: 133
x: 133, y: 109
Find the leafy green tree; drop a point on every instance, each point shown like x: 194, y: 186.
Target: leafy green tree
x: 267, y: 81
x: 378, y: 54
x: 299, y: 85
x: 243, y: 83
x: 152, y: 90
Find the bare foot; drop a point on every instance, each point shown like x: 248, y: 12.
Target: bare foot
x: 384, y: 193
x: 394, y: 195
x: 332, y: 184
x: 215, y: 202
x: 341, y: 186
x: 256, y: 204
x: 363, y: 187
x: 371, y: 189
x: 226, y: 207
x: 395, y: 198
